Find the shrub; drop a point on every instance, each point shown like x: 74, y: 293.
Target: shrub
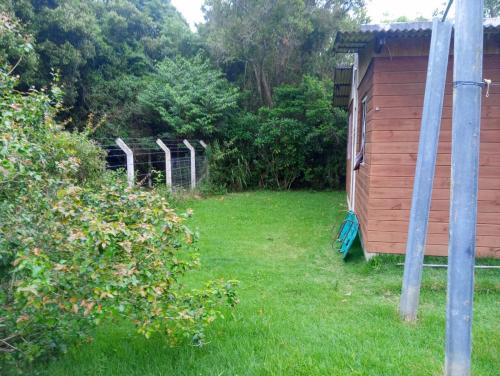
x: 189, y: 98
x: 299, y: 142
x: 77, y: 247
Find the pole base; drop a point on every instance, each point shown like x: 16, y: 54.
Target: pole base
x: 456, y: 369
x: 408, y: 305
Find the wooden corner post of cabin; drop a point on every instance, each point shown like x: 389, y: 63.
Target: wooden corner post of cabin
x: 130, y: 161
x: 426, y: 163
x: 192, y: 152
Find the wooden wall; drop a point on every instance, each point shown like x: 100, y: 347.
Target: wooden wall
x: 395, y: 89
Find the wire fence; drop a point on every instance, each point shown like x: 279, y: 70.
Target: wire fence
x: 180, y: 164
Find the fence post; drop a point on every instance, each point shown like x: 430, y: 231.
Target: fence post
x: 168, y: 163
x: 204, y: 145
x: 150, y: 166
x: 424, y: 172
x: 467, y: 77
x: 193, y: 163
x: 130, y: 161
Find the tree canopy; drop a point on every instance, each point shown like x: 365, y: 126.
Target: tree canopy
x: 102, y: 50
x: 264, y: 43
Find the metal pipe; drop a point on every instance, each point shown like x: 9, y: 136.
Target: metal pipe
x: 354, y: 138
x: 467, y: 73
x: 444, y: 266
x: 425, y: 168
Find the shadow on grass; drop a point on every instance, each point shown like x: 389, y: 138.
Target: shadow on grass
x: 355, y: 254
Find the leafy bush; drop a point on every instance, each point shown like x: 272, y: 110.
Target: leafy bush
x: 16, y: 48
x: 77, y: 247
x: 233, y: 160
x: 300, y: 142
x: 189, y: 97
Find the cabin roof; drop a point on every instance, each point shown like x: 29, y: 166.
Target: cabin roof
x: 342, y: 79
x: 353, y: 41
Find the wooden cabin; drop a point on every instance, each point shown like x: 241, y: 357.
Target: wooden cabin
x: 384, y: 92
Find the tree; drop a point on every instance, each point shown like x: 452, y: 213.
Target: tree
x: 491, y: 8
x: 16, y: 48
x: 274, y: 42
x: 188, y: 98
x: 102, y: 51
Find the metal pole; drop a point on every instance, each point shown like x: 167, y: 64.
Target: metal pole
x: 468, y: 68
x: 168, y: 163
x: 354, y: 90
x: 130, y: 161
x: 425, y: 168
x: 193, y: 163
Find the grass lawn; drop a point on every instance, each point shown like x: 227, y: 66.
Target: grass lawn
x: 303, y: 310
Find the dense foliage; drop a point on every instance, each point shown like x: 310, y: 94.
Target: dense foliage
x: 76, y: 246
x: 188, y: 98
x: 103, y: 50
x: 491, y: 8
x: 298, y: 142
x: 137, y: 68
x: 280, y: 53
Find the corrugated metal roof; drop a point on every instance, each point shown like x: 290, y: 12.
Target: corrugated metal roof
x: 351, y: 41
x: 342, y: 86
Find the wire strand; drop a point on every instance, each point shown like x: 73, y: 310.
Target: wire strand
x: 447, y: 10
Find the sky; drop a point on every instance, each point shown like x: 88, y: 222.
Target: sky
x: 378, y: 10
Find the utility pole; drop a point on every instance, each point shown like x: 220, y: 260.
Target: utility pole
x: 468, y: 67
x: 426, y: 163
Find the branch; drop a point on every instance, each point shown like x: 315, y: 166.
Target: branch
x: 15, y: 66
x: 12, y: 348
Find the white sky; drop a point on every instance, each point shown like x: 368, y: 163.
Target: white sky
x: 191, y: 10
x: 378, y: 10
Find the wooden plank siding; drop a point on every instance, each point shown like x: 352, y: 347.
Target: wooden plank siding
x: 385, y: 182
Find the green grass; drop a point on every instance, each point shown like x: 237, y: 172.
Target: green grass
x: 303, y: 310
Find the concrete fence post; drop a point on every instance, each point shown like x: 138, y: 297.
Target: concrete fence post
x: 205, y: 146
x: 130, y: 161
x: 424, y: 172
x: 193, y: 163
x: 168, y: 163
